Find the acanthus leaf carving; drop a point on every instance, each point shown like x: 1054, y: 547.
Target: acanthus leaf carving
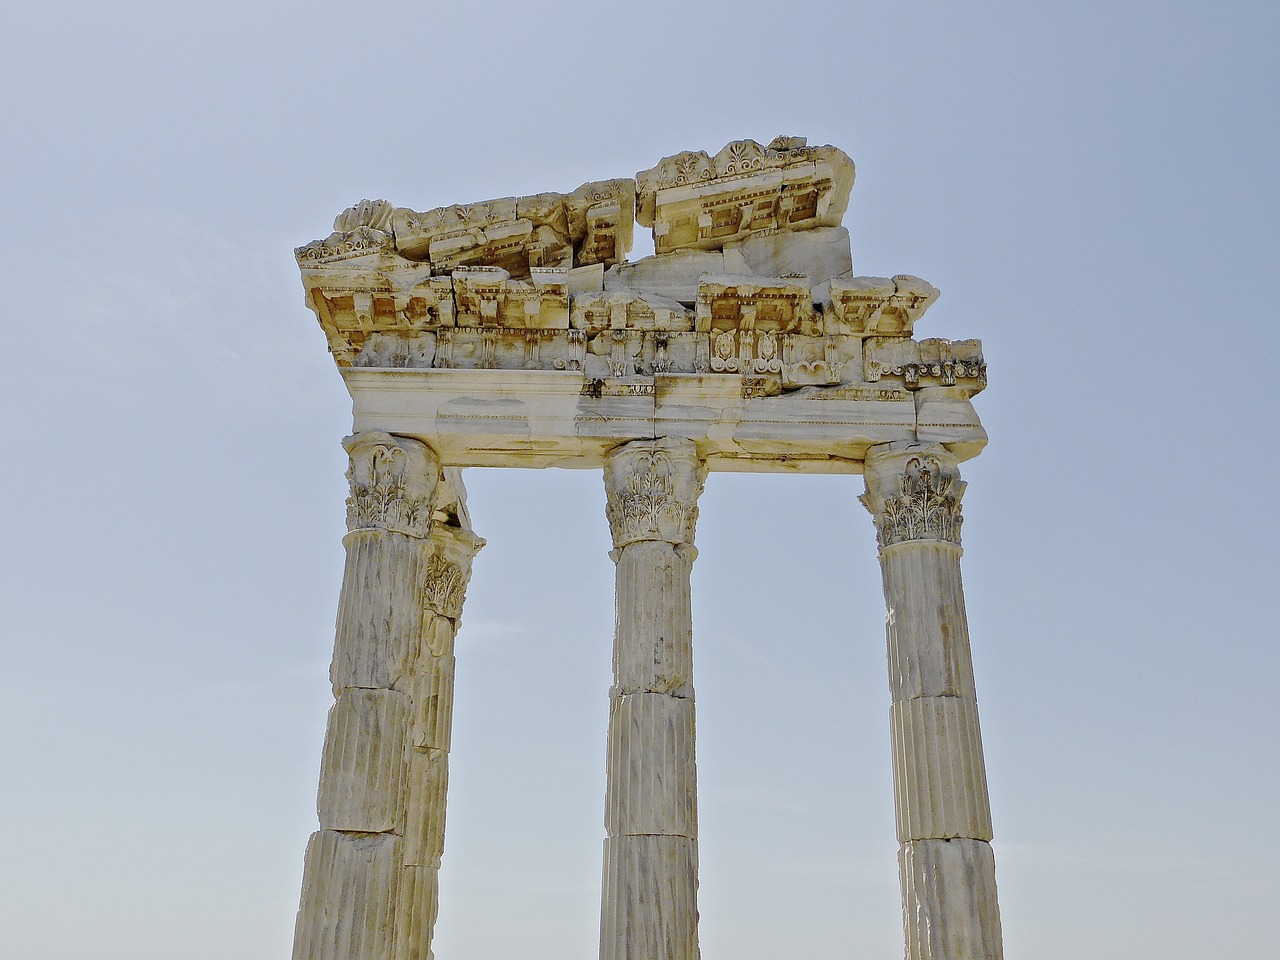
x: 393, y: 482
x: 652, y: 491
x: 445, y: 586
x: 925, y: 507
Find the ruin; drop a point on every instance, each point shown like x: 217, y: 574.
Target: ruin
x: 514, y: 332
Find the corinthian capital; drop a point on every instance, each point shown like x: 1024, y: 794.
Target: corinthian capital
x: 393, y: 483
x: 448, y: 569
x: 652, y: 489
x: 913, y: 493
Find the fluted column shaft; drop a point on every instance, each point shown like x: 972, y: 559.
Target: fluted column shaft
x: 446, y: 572
x: 946, y: 868
x: 649, y: 900
x: 369, y: 876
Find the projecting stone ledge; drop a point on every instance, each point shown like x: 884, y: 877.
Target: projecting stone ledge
x: 543, y: 418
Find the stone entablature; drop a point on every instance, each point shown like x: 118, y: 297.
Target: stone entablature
x: 518, y: 322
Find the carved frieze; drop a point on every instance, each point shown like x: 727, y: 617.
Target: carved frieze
x: 359, y: 242
x: 917, y: 499
x: 591, y: 225
x: 488, y: 297
x: 393, y: 483
x: 927, y: 363
x: 519, y: 283
x: 876, y: 306
x: 652, y: 489
x: 696, y: 201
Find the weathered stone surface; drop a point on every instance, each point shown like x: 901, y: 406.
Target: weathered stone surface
x: 380, y: 610
x: 652, y: 780
x: 362, y: 770
x: 426, y: 790
x: 594, y: 224
x: 349, y: 889
x: 649, y: 910
x: 653, y: 652
x: 626, y: 310
x: 673, y: 277
x: 488, y: 297
x: 939, y: 779
x: 758, y: 304
x: 945, y: 415
x: 949, y: 907
x: 925, y: 621
x: 431, y: 691
x: 417, y: 904
x: 819, y: 254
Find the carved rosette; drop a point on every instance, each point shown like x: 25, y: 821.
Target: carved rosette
x: 913, y: 493
x: 393, y: 483
x: 448, y: 569
x: 652, y: 489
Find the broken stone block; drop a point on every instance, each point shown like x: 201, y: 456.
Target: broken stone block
x: 431, y: 689
x: 820, y: 254
x: 946, y: 415
x: 695, y: 201
x: 602, y: 221
x: 629, y: 311
x: 878, y: 306
x: 674, y: 276
x: 427, y: 789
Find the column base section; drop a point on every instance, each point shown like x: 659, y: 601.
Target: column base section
x: 650, y: 911
x: 949, y: 909
x: 348, y: 897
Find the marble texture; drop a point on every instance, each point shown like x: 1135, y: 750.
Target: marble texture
x: 370, y: 874
x: 946, y: 867
x: 649, y: 899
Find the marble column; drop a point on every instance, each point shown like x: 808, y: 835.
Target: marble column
x: 445, y: 574
x: 371, y: 776
x: 946, y: 867
x: 649, y: 903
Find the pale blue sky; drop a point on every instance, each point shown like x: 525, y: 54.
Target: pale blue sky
x: 1091, y: 185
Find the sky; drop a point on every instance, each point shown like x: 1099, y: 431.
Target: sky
x: 1090, y: 184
